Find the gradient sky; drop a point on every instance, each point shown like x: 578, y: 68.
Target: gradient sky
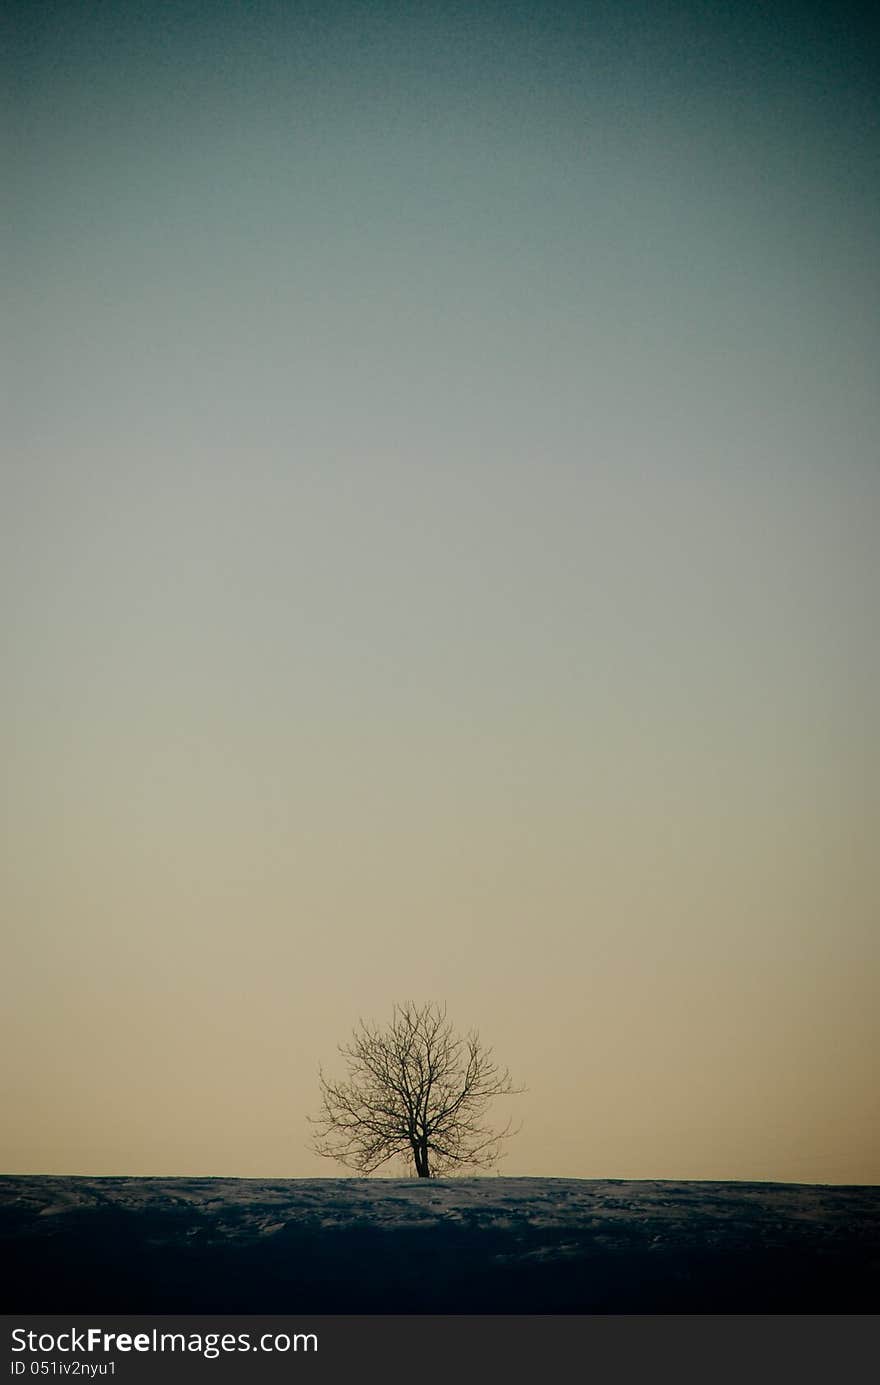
x: 439, y: 552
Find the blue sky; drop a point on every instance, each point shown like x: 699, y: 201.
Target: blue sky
x: 439, y: 561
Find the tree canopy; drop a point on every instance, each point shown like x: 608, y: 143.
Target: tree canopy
x: 415, y: 1089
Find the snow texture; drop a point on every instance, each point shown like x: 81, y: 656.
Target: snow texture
x: 441, y: 1245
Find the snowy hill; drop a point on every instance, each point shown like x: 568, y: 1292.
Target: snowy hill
x: 509, y: 1245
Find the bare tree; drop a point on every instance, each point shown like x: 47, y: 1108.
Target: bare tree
x: 414, y: 1089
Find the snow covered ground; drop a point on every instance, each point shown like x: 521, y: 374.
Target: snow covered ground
x: 514, y: 1245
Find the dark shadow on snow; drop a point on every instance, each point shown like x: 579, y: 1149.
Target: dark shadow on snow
x: 702, y: 1249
